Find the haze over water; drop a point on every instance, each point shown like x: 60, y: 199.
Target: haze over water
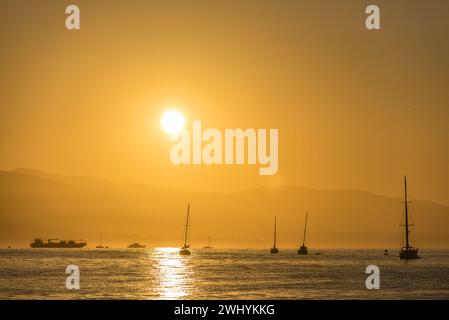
x: 161, y: 273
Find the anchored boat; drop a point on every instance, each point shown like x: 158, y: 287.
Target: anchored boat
x: 208, y: 246
x: 56, y: 243
x: 303, y: 249
x: 101, y: 246
x: 136, y: 245
x: 274, y: 249
x: 185, y: 249
x: 407, y: 252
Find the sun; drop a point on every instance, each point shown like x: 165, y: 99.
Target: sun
x: 172, y: 122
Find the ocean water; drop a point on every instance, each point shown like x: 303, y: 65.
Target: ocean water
x: 161, y: 273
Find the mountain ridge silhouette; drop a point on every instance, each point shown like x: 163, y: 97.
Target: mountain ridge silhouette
x: 34, y: 203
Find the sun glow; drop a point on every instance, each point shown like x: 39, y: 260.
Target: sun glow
x: 172, y: 122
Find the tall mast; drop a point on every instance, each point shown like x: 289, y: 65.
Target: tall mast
x: 305, y: 228
x: 209, y: 241
x: 406, y: 213
x: 187, y: 225
x: 274, y: 245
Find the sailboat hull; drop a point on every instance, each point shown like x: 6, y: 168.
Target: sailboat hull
x: 408, y: 254
x: 184, y: 252
x: 274, y: 250
x: 303, y: 250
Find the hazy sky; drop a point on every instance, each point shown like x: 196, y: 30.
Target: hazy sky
x: 355, y: 108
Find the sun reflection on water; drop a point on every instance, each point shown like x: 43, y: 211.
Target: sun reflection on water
x: 174, y: 273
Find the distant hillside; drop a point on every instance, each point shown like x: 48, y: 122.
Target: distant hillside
x: 38, y: 204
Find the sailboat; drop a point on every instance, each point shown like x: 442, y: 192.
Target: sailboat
x: 303, y: 249
x: 274, y: 249
x: 100, y: 246
x: 407, y: 252
x: 185, y: 249
x: 208, y: 246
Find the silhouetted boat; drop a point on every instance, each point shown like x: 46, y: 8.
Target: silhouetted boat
x: 274, y: 249
x: 208, y: 246
x: 407, y: 252
x: 100, y: 246
x: 56, y: 243
x: 185, y: 249
x: 303, y: 249
x: 386, y: 253
x: 136, y: 245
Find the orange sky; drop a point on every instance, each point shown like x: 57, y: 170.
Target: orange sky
x: 355, y: 108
